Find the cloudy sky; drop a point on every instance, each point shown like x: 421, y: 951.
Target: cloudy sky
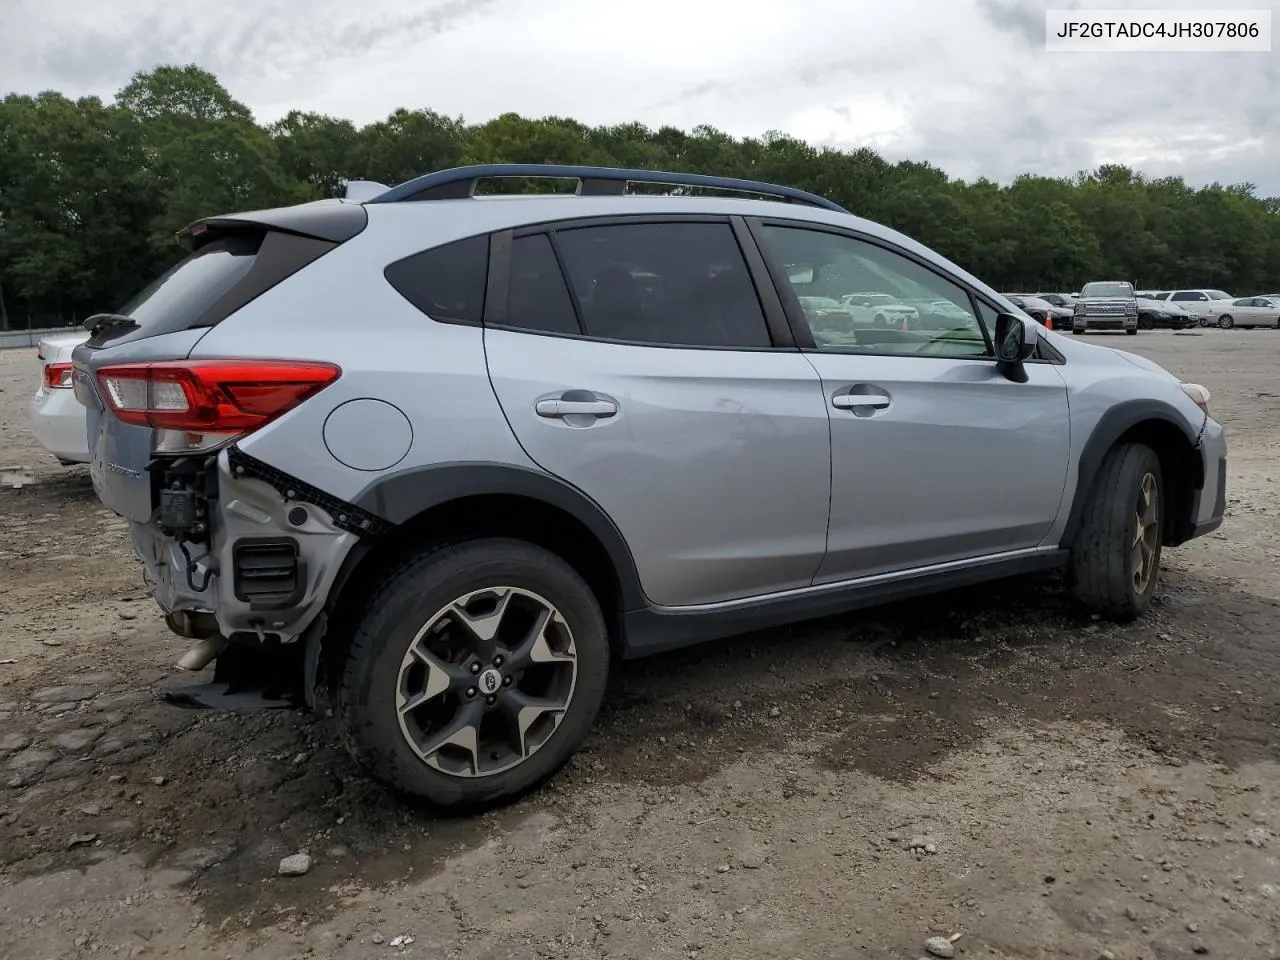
x: 964, y: 84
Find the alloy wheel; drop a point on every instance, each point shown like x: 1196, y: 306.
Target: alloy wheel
x: 1143, y: 552
x: 486, y: 681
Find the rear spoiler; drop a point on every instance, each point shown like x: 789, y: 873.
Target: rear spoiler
x: 335, y: 221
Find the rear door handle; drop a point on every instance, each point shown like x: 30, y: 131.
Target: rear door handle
x: 567, y: 408
x: 852, y: 401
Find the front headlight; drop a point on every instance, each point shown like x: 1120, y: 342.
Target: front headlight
x: 1199, y: 394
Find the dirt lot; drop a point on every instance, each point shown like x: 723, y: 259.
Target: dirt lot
x: 993, y: 764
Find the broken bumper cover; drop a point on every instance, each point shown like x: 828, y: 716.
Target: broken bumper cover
x: 273, y: 557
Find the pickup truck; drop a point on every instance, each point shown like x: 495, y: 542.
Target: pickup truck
x: 1106, y: 305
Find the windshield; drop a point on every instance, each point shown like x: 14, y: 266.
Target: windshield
x: 1106, y: 290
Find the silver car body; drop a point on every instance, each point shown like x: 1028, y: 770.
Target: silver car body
x: 728, y: 489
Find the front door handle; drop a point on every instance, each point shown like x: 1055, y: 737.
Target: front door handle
x: 853, y: 401
x: 574, y: 403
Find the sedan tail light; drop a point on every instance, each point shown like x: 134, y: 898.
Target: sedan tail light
x: 58, y: 376
x: 199, y: 404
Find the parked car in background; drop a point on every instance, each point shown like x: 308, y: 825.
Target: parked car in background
x: 1196, y: 302
x: 1059, y: 299
x: 1041, y: 311
x: 1153, y: 313
x: 1106, y: 305
x: 57, y: 418
x: 879, y: 309
x: 1244, y: 312
x: 605, y: 428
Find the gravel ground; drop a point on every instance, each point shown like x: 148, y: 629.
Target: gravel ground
x: 992, y: 764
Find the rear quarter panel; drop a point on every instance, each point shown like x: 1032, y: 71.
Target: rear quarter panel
x: 341, y: 309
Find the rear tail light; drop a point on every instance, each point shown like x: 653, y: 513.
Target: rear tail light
x: 199, y: 404
x: 58, y: 376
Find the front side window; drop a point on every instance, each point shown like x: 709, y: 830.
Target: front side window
x: 859, y: 297
x: 673, y: 284
x: 1218, y: 295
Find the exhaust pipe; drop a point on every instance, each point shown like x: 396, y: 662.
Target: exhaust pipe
x: 202, y: 653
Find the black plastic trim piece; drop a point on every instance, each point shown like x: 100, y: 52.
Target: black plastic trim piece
x: 399, y: 497
x: 335, y: 222
x: 775, y: 317
x: 652, y: 630
x: 498, y: 283
x: 243, y: 548
x: 1111, y: 427
x: 460, y: 182
x: 280, y: 257
x: 345, y: 516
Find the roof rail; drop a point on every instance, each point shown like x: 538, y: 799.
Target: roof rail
x: 460, y: 182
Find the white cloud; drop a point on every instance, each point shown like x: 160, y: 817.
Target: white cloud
x: 963, y: 84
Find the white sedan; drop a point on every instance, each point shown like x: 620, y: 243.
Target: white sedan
x: 1244, y: 312
x: 57, y: 418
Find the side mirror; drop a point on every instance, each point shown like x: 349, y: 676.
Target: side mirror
x: 1012, y: 347
x: 802, y: 273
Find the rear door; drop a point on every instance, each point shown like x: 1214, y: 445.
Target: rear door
x: 633, y: 359
x: 935, y: 455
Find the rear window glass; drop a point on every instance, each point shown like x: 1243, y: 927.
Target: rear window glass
x: 178, y: 297
x: 446, y: 282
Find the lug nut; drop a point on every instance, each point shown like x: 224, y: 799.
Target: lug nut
x: 491, y: 700
x: 475, y: 668
x: 497, y: 661
x: 506, y: 681
x: 471, y: 692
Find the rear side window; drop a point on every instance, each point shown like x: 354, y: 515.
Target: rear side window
x: 445, y: 282
x: 1186, y: 296
x: 674, y: 284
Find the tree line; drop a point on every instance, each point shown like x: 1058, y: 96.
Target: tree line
x: 92, y: 193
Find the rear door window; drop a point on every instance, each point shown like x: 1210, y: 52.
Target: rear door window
x: 671, y: 284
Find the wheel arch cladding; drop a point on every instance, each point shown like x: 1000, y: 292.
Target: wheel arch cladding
x: 1161, y: 427
x: 462, y: 501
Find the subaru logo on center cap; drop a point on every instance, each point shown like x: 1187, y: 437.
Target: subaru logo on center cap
x: 490, y: 681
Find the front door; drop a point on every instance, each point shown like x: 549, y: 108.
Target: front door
x: 649, y: 382
x: 936, y: 456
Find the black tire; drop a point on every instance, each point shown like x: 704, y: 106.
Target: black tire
x: 1147, y: 322
x: 1077, y: 330
x: 366, y: 695
x: 1133, y: 332
x: 1101, y: 558
x: 1225, y: 322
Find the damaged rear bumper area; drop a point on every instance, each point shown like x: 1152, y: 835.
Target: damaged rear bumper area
x: 241, y: 558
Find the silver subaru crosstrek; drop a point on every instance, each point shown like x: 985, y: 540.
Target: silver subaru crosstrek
x: 452, y: 453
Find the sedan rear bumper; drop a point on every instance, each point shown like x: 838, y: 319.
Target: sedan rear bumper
x: 58, y: 423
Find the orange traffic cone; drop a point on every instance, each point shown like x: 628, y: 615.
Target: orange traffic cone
x: 1048, y: 321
